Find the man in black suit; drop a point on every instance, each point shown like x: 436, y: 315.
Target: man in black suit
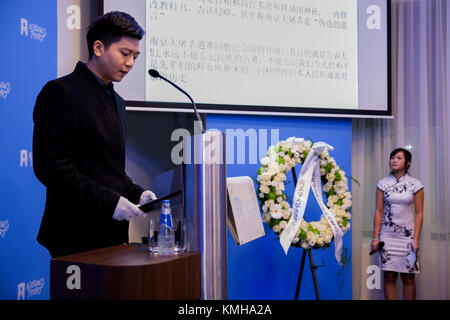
x: 79, y: 145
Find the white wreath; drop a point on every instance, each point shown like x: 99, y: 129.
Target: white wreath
x: 280, y: 159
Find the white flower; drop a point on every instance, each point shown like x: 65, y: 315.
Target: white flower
x: 333, y: 198
x: 265, y: 161
x: 276, y: 228
x: 324, y: 155
x: 330, y: 176
x: 266, y: 217
x: 268, y: 203
x: 283, y: 224
x: 285, y: 205
x: 295, y: 240
x: 264, y: 189
x: 340, y: 213
x: 346, y: 203
x: 276, y: 211
x: 304, y: 225
x: 264, y: 208
x: 286, y: 214
x: 266, y: 176
x: 261, y: 195
x: 275, y: 183
x: 327, y: 186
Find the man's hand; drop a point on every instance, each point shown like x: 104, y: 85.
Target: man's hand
x: 146, y: 196
x: 125, y: 210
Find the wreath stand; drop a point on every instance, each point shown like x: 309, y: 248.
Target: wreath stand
x: 313, y: 267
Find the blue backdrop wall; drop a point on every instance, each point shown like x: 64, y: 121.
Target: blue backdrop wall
x: 27, y: 61
x: 260, y: 269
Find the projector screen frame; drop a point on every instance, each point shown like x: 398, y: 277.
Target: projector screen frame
x: 158, y: 106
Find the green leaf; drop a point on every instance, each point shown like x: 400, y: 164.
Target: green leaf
x: 339, y: 202
x: 302, y: 234
x: 262, y: 170
x: 271, y: 196
x: 328, y: 167
x: 310, y: 228
x: 338, y: 176
x: 332, y: 192
x: 344, y: 221
x: 273, y: 222
x: 281, y: 160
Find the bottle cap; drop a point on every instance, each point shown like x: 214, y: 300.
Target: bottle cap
x: 166, y: 201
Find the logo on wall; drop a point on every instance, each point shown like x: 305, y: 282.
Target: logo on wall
x: 26, y: 158
x: 4, y: 226
x: 5, y: 89
x: 32, y: 30
x: 32, y: 288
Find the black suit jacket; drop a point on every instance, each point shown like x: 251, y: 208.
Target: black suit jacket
x: 79, y: 155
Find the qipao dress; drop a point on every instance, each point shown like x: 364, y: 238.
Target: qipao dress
x: 397, y: 226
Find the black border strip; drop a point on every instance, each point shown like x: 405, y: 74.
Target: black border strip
x: 253, y: 109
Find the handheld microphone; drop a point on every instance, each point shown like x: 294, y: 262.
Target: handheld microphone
x: 155, y: 74
x: 380, y: 246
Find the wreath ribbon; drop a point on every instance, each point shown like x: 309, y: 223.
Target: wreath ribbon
x: 309, y: 177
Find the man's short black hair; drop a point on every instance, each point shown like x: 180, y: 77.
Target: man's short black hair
x: 111, y: 27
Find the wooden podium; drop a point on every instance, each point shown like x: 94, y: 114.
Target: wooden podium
x: 125, y: 272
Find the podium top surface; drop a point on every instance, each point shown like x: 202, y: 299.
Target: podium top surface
x: 126, y: 255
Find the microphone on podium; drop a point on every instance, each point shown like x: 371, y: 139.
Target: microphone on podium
x: 155, y: 74
x: 380, y: 246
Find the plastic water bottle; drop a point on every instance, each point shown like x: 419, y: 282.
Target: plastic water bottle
x: 166, y: 236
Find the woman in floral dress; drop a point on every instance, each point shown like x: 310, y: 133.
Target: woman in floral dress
x: 398, y: 225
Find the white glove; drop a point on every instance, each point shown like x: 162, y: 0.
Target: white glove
x: 146, y: 196
x: 125, y: 210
